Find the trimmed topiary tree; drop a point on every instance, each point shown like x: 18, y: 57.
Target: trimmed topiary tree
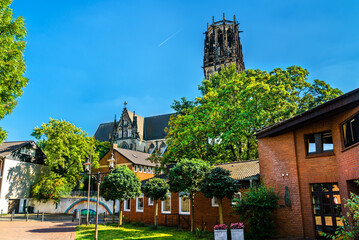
x: 256, y: 208
x: 218, y: 183
x: 121, y: 184
x: 157, y: 189
x: 186, y: 177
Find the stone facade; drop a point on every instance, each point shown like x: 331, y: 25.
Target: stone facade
x: 222, y: 47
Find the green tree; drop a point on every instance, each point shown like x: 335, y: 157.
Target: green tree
x: 12, y: 62
x: 186, y: 178
x: 218, y: 183
x: 102, y: 148
x: 66, y: 148
x: 234, y: 106
x: 183, y: 104
x: 157, y: 189
x: 50, y: 187
x: 256, y: 208
x: 121, y: 184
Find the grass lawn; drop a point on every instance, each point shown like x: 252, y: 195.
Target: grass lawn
x: 133, y: 231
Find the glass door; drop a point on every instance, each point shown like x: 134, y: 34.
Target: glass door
x: 326, y: 207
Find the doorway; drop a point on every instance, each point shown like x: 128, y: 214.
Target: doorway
x: 327, y: 208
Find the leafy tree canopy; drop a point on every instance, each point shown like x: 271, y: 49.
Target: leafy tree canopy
x: 180, y: 106
x: 234, y: 106
x: 50, y: 187
x: 218, y: 183
x: 102, y: 148
x: 156, y: 188
x: 66, y: 148
x: 187, y: 175
x: 121, y: 184
x: 12, y: 62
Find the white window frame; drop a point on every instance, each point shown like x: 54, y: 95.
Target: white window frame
x: 213, y: 204
x: 124, y: 205
x: 140, y: 210
x: 240, y: 197
x: 150, y: 202
x: 149, y: 169
x: 180, y: 206
x: 139, y: 168
x: 135, y: 168
x: 162, y: 203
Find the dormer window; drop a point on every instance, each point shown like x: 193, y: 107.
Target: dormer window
x: 318, y: 143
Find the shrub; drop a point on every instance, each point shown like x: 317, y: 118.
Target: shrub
x: 256, y: 208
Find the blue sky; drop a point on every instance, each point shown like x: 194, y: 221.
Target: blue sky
x: 86, y: 57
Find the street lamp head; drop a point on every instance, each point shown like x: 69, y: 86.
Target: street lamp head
x: 87, y: 165
x: 111, y: 162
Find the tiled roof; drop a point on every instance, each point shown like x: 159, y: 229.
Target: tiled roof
x: 8, y: 147
x: 243, y: 170
x: 154, y: 127
x: 104, y: 132
x: 136, y: 157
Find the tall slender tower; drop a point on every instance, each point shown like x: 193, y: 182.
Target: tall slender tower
x: 222, y: 46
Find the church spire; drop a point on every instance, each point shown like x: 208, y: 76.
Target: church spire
x: 222, y: 46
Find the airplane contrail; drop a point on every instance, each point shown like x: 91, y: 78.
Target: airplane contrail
x: 168, y: 38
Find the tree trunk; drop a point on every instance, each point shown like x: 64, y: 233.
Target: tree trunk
x: 156, y: 212
x: 192, y: 212
x: 220, y: 209
x: 113, y: 211
x: 120, y: 214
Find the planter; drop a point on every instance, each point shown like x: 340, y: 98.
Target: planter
x: 237, y: 234
x: 220, y: 235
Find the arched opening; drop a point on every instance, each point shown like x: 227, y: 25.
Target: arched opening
x: 124, y: 145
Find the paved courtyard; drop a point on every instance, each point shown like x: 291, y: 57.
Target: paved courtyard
x: 20, y: 230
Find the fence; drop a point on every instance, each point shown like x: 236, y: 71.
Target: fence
x: 80, y: 194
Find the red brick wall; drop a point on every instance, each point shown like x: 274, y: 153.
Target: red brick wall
x: 205, y: 216
x: 286, y: 153
x: 277, y: 157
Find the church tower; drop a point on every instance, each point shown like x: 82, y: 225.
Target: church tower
x: 222, y: 46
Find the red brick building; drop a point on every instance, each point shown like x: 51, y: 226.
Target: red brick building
x: 175, y: 211
x: 312, y: 159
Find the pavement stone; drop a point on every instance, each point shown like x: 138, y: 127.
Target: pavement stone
x: 35, y: 230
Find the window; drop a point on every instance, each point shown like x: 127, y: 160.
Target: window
x: 350, y: 130
x: 319, y: 143
x: 238, y: 196
x: 184, y: 206
x: 136, y: 168
x: 127, y: 205
x: 139, y: 204
x: 139, y: 168
x: 150, y: 202
x: 149, y: 169
x: 214, y: 202
x: 144, y: 169
x: 166, y: 205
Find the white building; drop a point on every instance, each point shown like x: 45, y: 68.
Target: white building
x: 21, y: 165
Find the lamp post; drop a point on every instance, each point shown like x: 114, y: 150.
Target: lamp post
x: 87, y: 165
